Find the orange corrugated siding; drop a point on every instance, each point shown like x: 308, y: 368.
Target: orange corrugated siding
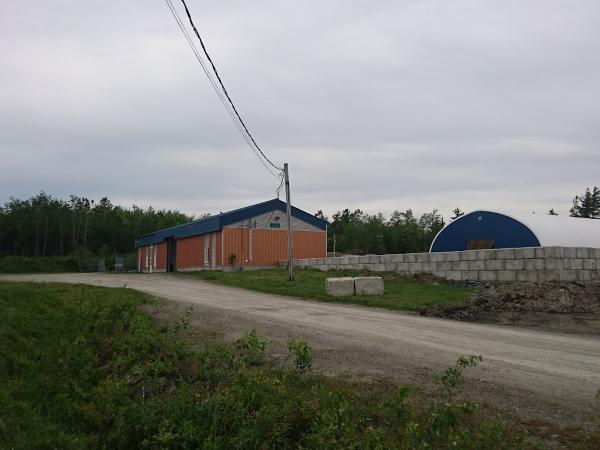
x: 142, y: 252
x: 190, y: 252
x: 270, y: 246
x: 309, y: 244
x: 235, y: 243
x: 161, y: 256
x: 219, y: 248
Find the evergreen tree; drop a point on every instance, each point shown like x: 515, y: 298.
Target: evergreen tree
x: 587, y: 205
x: 457, y: 213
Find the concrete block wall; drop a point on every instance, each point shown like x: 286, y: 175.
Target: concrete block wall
x: 511, y: 264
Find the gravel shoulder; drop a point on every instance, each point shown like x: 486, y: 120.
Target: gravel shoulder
x: 531, y: 373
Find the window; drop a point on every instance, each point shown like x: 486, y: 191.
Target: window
x: 481, y: 244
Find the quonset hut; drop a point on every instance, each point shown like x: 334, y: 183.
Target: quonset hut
x: 252, y: 236
x: 487, y: 229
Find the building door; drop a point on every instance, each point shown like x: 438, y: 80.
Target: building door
x: 171, y: 255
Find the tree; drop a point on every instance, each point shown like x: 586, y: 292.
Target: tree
x: 588, y: 205
x: 552, y: 212
x: 457, y: 213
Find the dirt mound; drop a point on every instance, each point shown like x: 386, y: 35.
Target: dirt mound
x: 567, y: 307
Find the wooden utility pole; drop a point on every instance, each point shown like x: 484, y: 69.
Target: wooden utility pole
x: 289, y: 221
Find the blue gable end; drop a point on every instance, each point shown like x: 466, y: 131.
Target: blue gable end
x: 479, y: 225
x: 216, y: 223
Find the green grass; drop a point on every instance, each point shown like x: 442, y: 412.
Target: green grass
x: 38, y: 264
x: 86, y: 367
x: 400, y: 293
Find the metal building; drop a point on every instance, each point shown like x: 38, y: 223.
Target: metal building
x: 252, y: 236
x: 488, y: 229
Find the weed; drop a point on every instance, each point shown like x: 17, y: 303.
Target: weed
x: 452, y: 376
x: 251, y: 348
x: 302, y: 356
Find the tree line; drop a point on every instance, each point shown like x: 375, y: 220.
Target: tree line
x: 46, y: 226
x: 359, y: 233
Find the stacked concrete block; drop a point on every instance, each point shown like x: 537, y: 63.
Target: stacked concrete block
x: 519, y: 264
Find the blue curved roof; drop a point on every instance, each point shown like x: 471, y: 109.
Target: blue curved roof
x: 216, y: 223
x: 478, y: 225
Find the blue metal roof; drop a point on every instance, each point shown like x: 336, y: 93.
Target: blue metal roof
x: 216, y: 223
x: 506, y: 232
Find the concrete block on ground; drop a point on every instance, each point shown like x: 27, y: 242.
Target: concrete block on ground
x: 368, y: 285
x: 364, y: 259
x: 595, y: 275
x: 471, y: 275
x: 345, y: 260
x: 549, y: 275
x: 403, y: 267
x: 569, y: 252
x: 416, y: 267
x: 452, y: 256
x: 339, y: 286
x: 568, y: 275
x: 505, y: 253
x: 374, y: 259
x: 535, y: 264
x: 487, y: 275
x: 439, y: 257
x: 439, y: 273
x: 527, y: 275
x: 540, y: 252
x: 507, y: 275
x: 590, y: 264
x: 390, y: 267
x: 494, y: 264
x: 514, y: 264
x: 525, y: 253
x: 429, y: 267
x: 376, y: 267
x: 595, y: 253
x: 454, y: 275
x: 584, y: 275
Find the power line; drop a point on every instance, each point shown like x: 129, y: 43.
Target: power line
x: 187, y: 11
x: 219, y: 93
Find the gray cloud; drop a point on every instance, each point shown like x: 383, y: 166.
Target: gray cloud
x: 378, y: 106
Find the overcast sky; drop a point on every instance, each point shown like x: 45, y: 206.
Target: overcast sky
x: 375, y: 105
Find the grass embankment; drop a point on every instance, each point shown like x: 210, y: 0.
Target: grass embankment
x: 38, y: 264
x: 85, y: 367
x: 400, y: 293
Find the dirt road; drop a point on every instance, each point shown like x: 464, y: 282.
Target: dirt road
x: 527, y: 372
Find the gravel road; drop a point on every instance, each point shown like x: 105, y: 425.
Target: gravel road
x: 528, y: 372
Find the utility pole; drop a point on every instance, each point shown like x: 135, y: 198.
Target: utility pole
x: 289, y: 221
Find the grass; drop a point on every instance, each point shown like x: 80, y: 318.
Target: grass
x: 400, y: 293
x: 38, y: 264
x: 86, y: 367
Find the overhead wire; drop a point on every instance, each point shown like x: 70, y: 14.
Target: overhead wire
x: 218, y: 91
x: 187, y: 11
